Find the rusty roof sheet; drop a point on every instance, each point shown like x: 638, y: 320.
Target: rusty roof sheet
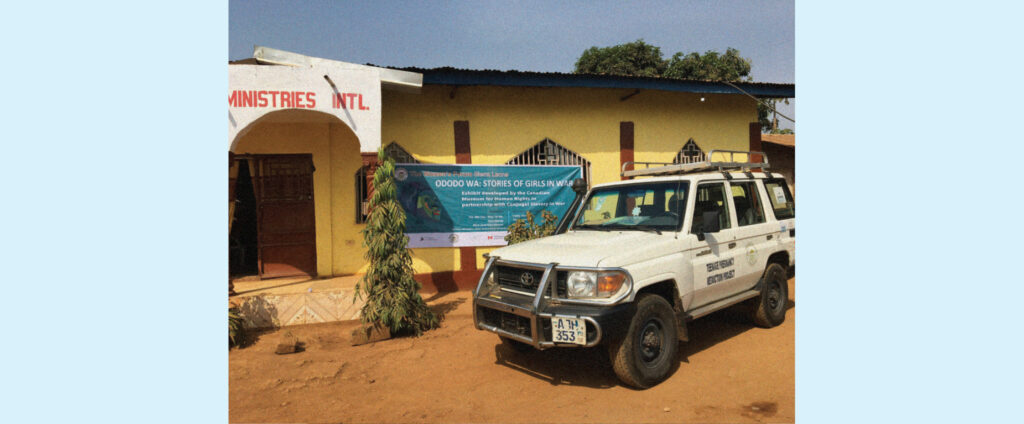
x: 788, y: 140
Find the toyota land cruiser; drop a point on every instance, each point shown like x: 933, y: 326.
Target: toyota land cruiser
x: 640, y: 258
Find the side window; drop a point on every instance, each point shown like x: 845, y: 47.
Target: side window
x: 710, y: 197
x: 748, y: 204
x: 782, y: 201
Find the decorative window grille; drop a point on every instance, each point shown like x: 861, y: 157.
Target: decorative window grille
x: 362, y: 190
x: 690, y: 153
x: 548, y: 152
x: 400, y: 154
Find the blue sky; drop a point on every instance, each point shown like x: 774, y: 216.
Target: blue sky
x: 522, y: 35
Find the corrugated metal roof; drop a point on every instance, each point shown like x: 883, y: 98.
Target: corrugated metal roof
x: 514, y: 78
x: 788, y: 140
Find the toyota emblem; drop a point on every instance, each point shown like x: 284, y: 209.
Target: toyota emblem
x: 526, y: 279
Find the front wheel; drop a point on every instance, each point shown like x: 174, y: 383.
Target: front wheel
x: 770, y: 309
x: 643, y: 357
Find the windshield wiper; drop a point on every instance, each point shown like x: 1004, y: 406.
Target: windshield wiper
x: 590, y: 226
x: 647, y: 228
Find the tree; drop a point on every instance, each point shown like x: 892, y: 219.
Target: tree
x: 770, y: 124
x: 392, y: 295
x: 637, y: 58
x: 711, y: 66
x: 641, y: 59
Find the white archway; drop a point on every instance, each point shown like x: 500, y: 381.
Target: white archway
x: 259, y: 92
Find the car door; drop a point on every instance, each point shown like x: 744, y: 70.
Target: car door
x: 755, y: 236
x: 782, y: 208
x: 714, y: 255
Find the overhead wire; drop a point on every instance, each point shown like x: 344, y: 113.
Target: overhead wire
x: 768, y: 105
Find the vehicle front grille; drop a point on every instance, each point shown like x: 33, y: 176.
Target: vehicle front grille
x: 516, y: 324
x: 506, y: 321
x: 515, y: 279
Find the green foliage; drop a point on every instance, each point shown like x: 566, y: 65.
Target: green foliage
x: 521, y: 231
x: 711, y: 66
x: 236, y: 330
x: 641, y: 59
x: 392, y: 295
x: 764, y: 116
x: 636, y: 58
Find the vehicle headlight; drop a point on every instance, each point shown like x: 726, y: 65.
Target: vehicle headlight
x: 595, y: 285
x: 581, y: 284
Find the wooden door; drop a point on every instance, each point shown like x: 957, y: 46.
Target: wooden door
x: 286, y: 230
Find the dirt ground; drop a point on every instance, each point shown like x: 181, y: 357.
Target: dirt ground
x: 729, y: 371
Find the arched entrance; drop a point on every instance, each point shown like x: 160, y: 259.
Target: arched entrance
x: 289, y: 185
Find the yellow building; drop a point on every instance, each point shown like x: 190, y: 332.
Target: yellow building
x: 298, y: 177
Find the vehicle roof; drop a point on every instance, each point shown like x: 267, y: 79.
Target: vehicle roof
x: 701, y: 176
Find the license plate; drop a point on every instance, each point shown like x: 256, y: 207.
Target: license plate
x: 568, y: 330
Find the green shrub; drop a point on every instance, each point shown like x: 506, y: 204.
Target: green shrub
x: 236, y: 329
x: 521, y: 230
x: 392, y: 295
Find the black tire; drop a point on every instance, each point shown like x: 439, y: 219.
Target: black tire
x: 769, y: 309
x: 645, y: 354
x: 515, y: 345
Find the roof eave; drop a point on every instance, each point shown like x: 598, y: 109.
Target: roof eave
x: 521, y: 79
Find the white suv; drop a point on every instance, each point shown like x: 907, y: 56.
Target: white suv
x: 640, y: 258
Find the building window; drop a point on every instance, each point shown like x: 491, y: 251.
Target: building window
x: 690, y: 153
x: 363, y: 190
x: 399, y: 154
x: 548, y: 152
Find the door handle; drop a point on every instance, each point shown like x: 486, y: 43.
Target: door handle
x: 770, y: 236
x: 732, y: 245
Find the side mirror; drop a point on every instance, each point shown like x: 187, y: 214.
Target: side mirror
x: 711, y: 224
x: 579, y: 185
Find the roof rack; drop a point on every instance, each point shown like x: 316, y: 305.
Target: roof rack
x: 715, y: 160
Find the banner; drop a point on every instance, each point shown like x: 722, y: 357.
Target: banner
x: 473, y: 205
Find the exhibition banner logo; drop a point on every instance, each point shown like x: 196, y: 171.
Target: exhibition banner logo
x: 473, y: 205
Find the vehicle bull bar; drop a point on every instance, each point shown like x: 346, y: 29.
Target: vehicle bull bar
x: 534, y: 310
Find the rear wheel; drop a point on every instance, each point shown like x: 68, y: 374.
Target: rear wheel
x: 643, y: 357
x: 770, y: 309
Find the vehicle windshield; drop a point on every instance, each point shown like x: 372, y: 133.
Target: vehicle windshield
x: 655, y: 206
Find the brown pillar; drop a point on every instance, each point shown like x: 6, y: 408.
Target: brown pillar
x: 462, y: 153
x: 625, y: 145
x: 755, y: 141
x: 468, y: 274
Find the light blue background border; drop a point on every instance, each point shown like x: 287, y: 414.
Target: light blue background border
x: 113, y: 214
x: 909, y: 297
x: 113, y: 255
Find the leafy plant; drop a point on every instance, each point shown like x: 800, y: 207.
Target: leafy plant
x: 636, y: 58
x: 710, y: 66
x: 392, y: 295
x: 236, y: 328
x: 521, y: 230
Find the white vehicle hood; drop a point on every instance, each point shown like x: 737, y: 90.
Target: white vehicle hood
x: 590, y: 248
